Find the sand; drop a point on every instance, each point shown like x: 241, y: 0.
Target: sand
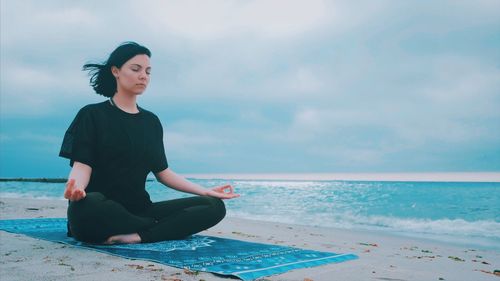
x: 381, y: 256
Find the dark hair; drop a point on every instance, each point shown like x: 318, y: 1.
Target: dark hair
x: 101, y: 78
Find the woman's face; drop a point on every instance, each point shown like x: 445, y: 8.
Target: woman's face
x: 133, y: 76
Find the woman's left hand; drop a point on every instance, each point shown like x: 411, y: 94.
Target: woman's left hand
x: 222, y: 192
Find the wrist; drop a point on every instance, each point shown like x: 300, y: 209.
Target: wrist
x: 205, y: 192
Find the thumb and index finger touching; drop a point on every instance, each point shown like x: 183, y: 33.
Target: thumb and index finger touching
x: 226, y: 191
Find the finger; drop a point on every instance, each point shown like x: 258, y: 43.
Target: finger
x: 226, y: 187
x: 70, y: 183
x: 69, y: 188
x: 219, y: 194
x: 229, y: 195
x: 73, y: 196
x: 66, y: 193
x: 219, y: 189
x: 222, y: 195
x: 79, y: 196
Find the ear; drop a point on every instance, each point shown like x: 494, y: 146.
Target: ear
x: 115, y: 71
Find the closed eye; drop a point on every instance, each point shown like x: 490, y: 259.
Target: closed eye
x: 137, y: 68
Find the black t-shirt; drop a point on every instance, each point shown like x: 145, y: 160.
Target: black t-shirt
x: 122, y: 148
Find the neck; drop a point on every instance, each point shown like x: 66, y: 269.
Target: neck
x: 125, y: 102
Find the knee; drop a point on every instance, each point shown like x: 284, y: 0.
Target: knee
x: 218, y: 207
x: 85, y: 207
x: 82, y: 216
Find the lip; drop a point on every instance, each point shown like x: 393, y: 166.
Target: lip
x: 144, y: 85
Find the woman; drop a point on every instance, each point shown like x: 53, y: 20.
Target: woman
x: 112, y: 147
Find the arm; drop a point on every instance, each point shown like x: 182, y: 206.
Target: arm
x: 171, y: 179
x: 78, y: 180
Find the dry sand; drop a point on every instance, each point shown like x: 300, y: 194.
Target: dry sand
x: 381, y: 256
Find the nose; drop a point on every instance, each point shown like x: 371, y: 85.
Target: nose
x: 143, y: 75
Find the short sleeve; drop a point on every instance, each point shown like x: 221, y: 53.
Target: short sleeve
x: 80, y: 139
x: 159, y: 161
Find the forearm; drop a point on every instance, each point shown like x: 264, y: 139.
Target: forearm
x: 81, y: 174
x: 178, y: 182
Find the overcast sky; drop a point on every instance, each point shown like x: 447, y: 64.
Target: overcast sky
x: 265, y: 86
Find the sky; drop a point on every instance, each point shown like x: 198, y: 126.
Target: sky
x: 265, y: 86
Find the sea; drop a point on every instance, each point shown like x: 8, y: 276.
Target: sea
x: 463, y: 213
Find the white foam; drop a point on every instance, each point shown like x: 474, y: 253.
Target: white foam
x: 453, y: 227
x: 28, y: 196
x: 482, y: 233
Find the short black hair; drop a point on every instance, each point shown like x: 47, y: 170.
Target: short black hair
x: 101, y: 78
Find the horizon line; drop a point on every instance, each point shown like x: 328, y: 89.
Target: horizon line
x: 353, y: 176
x: 344, y: 176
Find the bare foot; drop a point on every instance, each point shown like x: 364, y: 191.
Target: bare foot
x: 132, y: 238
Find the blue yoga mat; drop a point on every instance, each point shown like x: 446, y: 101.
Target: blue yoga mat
x: 245, y: 260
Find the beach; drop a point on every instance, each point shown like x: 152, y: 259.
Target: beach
x: 381, y: 256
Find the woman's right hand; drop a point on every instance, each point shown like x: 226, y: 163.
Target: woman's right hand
x: 72, y: 192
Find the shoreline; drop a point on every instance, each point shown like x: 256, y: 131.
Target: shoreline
x: 460, y: 241
x: 381, y: 256
x: 383, y: 177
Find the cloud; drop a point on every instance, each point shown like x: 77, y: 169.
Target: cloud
x: 39, y: 142
x: 276, y: 83
x: 463, y: 81
x: 47, y: 23
x: 212, y: 20
x: 34, y: 90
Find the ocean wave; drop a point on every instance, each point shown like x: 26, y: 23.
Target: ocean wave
x: 453, y: 227
x: 462, y: 211
x: 29, y: 196
x: 484, y: 233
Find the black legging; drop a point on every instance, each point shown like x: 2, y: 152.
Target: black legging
x: 95, y: 218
